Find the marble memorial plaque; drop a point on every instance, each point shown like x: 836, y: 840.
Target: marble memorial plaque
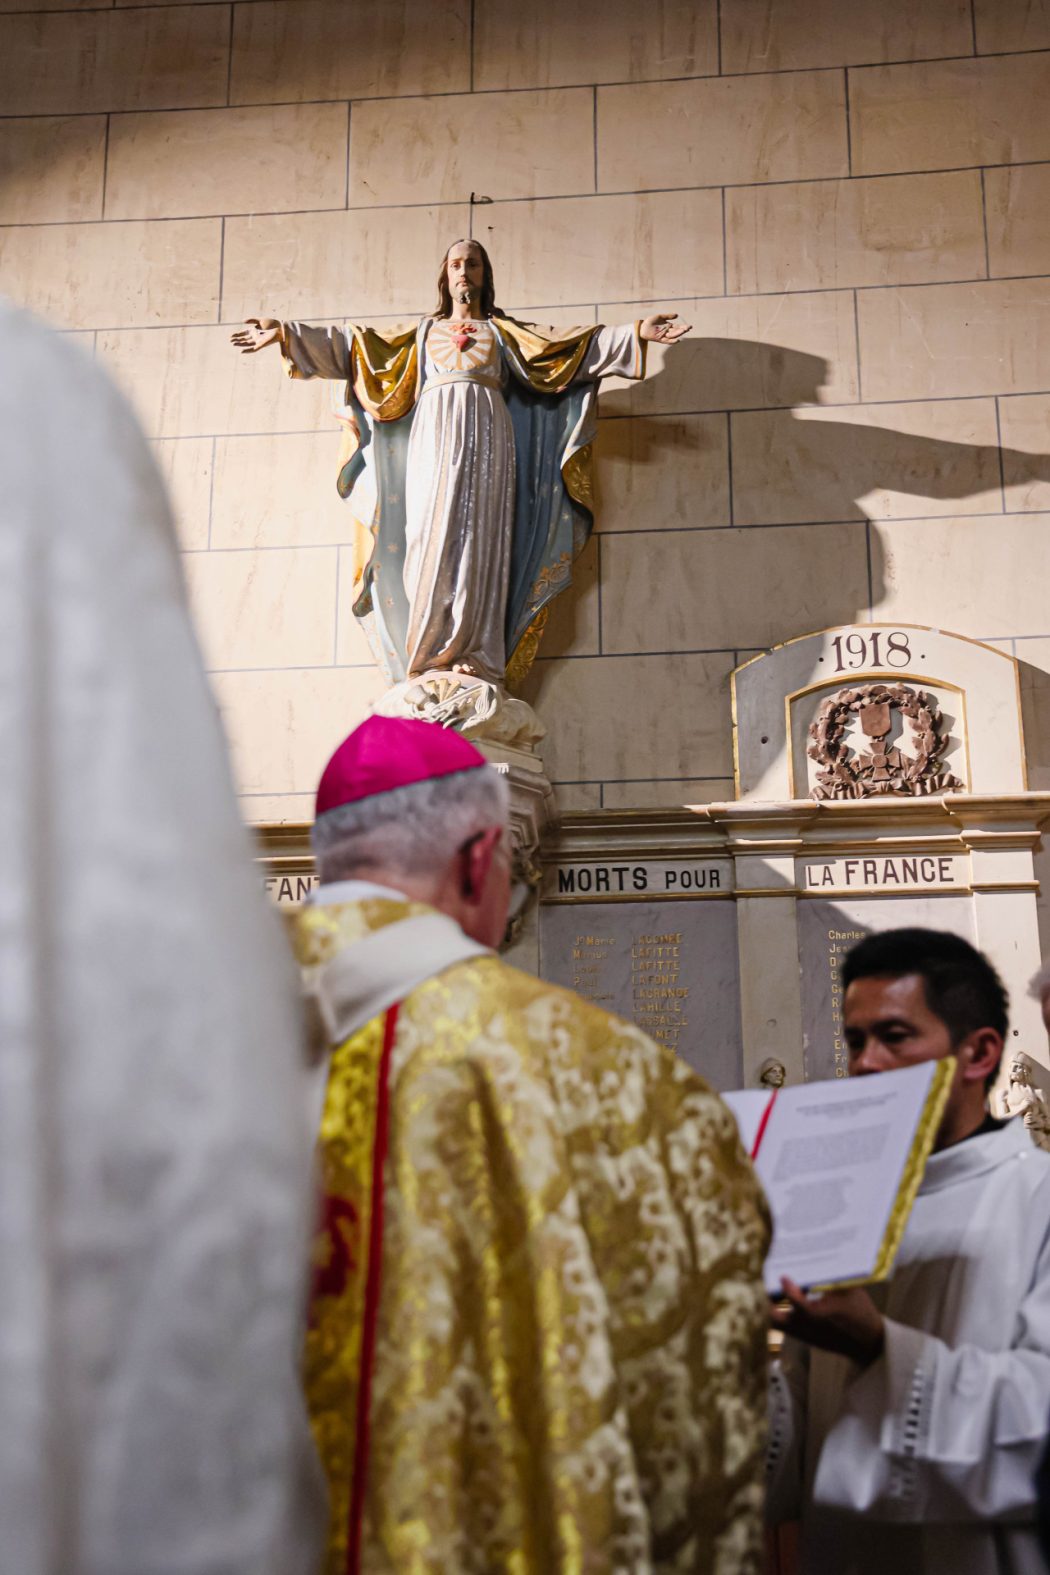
x: 289, y: 888
x: 826, y: 932
x: 671, y: 967
x: 892, y: 874
x: 634, y: 879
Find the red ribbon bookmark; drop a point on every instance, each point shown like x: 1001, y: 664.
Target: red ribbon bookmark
x: 763, y: 1124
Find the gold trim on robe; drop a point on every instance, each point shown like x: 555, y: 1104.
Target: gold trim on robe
x: 332, y: 1351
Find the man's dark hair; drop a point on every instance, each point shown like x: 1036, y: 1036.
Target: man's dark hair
x: 961, y: 986
x: 488, y: 283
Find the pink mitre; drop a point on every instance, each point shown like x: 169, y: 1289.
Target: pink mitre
x: 388, y: 752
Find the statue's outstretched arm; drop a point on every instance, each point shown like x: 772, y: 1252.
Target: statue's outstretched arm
x: 619, y: 351
x: 307, y: 351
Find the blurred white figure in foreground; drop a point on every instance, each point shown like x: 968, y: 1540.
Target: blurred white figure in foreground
x: 153, y: 1166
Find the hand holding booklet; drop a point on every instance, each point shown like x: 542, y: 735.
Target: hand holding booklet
x: 841, y: 1163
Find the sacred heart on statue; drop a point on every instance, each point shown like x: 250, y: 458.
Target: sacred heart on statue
x: 461, y: 337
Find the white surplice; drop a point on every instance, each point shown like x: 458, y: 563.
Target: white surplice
x: 154, y: 1164
x: 923, y: 1463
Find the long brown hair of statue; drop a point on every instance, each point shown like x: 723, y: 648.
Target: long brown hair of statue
x: 488, y: 282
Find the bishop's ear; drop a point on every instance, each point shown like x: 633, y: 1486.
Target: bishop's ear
x: 476, y: 857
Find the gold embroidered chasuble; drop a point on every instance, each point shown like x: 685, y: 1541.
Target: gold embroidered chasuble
x: 537, y: 1331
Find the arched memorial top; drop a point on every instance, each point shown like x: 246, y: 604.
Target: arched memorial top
x: 881, y: 710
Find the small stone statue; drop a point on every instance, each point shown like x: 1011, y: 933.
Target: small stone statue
x: 1024, y: 1098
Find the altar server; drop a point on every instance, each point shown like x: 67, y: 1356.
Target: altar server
x: 908, y: 1421
x: 537, y: 1330
x: 154, y: 1163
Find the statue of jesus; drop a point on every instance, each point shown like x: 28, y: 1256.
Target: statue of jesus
x: 467, y: 462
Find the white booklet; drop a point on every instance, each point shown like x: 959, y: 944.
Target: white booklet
x: 841, y: 1163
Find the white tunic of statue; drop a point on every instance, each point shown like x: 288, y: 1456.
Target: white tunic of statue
x: 459, y: 503
x: 459, y: 499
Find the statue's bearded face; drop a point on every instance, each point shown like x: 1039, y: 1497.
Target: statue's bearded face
x: 466, y: 272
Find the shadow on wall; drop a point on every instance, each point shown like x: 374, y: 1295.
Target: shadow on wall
x: 794, y: 463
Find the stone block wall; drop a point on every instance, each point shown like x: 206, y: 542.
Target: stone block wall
x: 848, y: 201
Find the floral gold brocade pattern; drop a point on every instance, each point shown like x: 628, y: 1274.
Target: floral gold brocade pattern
x: 578, y: 475
x: 569, y: 1371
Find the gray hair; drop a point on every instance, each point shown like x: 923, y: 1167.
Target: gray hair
x: 414, y: 830
x: 1039, y: 984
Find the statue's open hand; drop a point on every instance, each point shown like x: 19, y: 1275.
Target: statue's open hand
x: 257, y: 333
x: 661, y: 330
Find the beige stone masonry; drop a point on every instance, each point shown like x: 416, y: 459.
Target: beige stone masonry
x: 1018, y: 219
x: 950, y: 113
x: 282, y: 726
x: 186, y: 465
x: 718, y: 130
x: 1012, y: 24
x: 876, y: 461
x: 269, y: 809
x: 951, y: 340
x: 278, y: 491
x: 573, y: 626
x: 99, y: 275
x: 639, y: 247
x: 785, y: 35
x: 51, y: 168
x: 550, y: 44
x: 604, y: 721
x: 352, y: 648
x: 657, y: 794
x: 59, y: 5
x: 1025, y: 423
x: 287, y: 157
x: 529, y: 144
x: 745, y: 352
x: 334, y: 266
x: 574, y: 796
x: 899, y: 229
x: 663, y: 472
x: 189, y: 381
x: 697, y: 590
x: 265, y: 609
x: 287, y: 51
x: 159, y: 57
x: 961, y: 574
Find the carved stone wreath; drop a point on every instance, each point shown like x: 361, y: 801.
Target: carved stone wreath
x: 882, y: 770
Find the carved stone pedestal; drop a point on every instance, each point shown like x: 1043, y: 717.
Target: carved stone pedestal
x: 506, y: 730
